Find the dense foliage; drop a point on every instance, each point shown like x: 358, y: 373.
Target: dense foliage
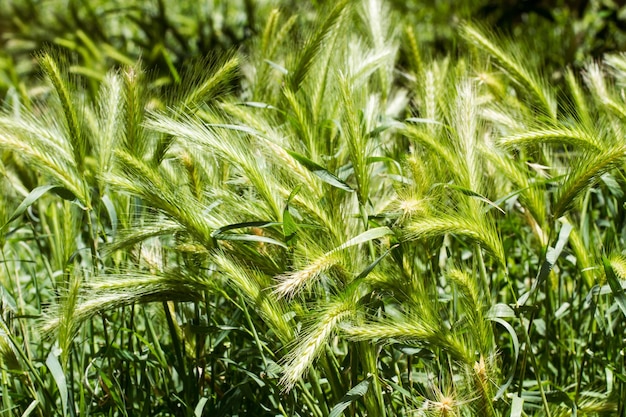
x: 357, y: 211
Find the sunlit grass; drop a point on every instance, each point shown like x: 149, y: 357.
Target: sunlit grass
x: 314, y: 230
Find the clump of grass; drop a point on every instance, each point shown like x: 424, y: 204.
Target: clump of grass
x: 329, y: 236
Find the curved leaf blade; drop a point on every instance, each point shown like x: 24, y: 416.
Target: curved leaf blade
x: 30, y: 199
x: 358, y: 391
x: 321, y: 172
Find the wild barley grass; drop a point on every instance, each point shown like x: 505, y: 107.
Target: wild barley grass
x: 310, y: 230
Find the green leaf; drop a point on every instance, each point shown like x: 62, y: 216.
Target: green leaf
x: 110, y: 208
x: 28, y: 201
x: 552, y: 255
x: 259, y: 224
x: 616, y: 287
x: 517, y: 406
x: 501, y: 310
x: 197, y: 412
x: 249, y: 238
x: 276, y: 66
x: 420, y: 120
x: 259, y: 105
x: 219, y: 234
x: 474, y: 194
x: 33, y: 405
x: 371, y: 266
x: 321, y: 172
x: 56, y: 370
x: 354, y: 394
x: 558, y: 397
x: 366, y: 236
x: 289, y: 225
x: 516, y: 346
x: 238, y: 128
x: 612, y: 184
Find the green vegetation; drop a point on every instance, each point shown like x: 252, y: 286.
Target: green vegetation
x: 327, y: 214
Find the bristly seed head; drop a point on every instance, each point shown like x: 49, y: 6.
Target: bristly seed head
x: 291, y: 282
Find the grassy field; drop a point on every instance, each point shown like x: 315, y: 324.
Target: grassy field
x: 357, y: 208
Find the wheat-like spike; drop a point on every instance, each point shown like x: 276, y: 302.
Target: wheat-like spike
x: 7, y: 354
x: 414, y: 53
x: 597, y: 83
x: 513, y: 66
x: 62, y: 170
x: 301, y: 112
x: 328, y: 29
x: 585, y: 261
x: 110, y: 113
x: 207, y: 81
x: 505, y: 120
x: 423, y: 137
x: 409, y: 331
x: 112, y: 291
x: 42, y: 133
x: 138, y: 178
x: 432, y: 84
x: 87, y: 309
x: 532, y: 196
x: 584, y: 174
x: 77, y: 140
x: 469, y: 288
x: 595, y: 80
x: 355, y: 139
x: 269, y: 32
x: 479, y: 330
x: 290, y: 283
x: 236, y: 149
x: 298, y: 361
x: 476, y: 229
x: 68, y: 326
x: 466, y: 128
x: 255, y: 287
x: 266, y: 87
x: 281, y: 35
x: 618, y: 263
x: 135, y: 99
x: 382, y: 37
x: 572, y: 136
x: 387, y: 331
x: 366, y: 63
x: 581, y: 107
x: 617, y: 65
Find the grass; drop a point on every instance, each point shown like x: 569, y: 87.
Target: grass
x: 326, y: 225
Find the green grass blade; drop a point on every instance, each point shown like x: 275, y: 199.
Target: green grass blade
x: 54, y: 365
x: 27, y: 202
x: 248, y: 238
x: 552, y: 256
x: 517, y: 406
x: 516, y: 348
x: 321, y: 172
x: 358, y: 391
x: 366, y: 236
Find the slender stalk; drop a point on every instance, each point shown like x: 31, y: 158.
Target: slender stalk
x: 314, y: 380
x: 533, y: 360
